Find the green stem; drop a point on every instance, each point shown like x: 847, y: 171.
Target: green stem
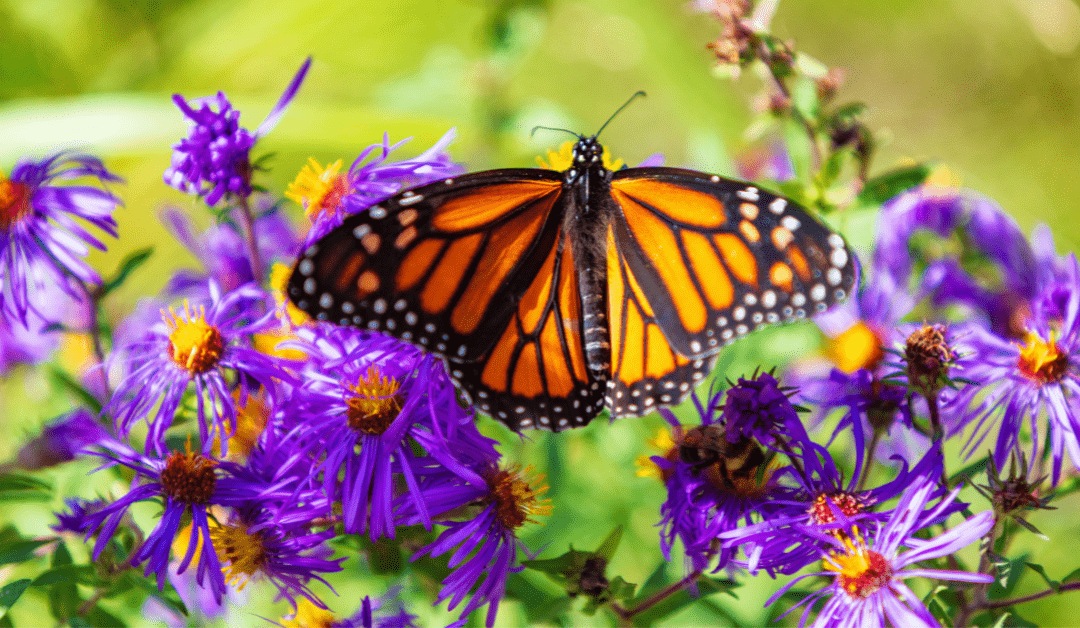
x: 247, y: 223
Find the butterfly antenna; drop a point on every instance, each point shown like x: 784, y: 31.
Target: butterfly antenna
x: 625, y: 104
x: 551, y: 128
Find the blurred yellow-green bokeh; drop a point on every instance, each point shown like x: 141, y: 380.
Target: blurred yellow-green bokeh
x: 988, y: 88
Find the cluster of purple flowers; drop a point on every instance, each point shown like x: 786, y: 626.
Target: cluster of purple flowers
x: 303, y: 431
x: 307, y: 431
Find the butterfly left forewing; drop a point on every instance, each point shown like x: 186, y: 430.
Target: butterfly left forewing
x: 438, y: 265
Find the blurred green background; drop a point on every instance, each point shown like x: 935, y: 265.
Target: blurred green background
x: 989, y: 88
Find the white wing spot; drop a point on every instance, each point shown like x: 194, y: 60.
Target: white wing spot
x: 778, y: 205
x: 749, y: 194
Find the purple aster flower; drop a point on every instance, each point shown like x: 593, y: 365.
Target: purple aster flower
x: 367, y: 399
x: 62, y: 440
x: 984, y: 228
x: 187, y: 484
x: 75, y: 518
x: 758, y: 408
x: 328, y: 196
x: 223, y: 250
x: 868, y: 586
x: 214, y: 159
x: 204, y: 346
x: 713, y: 485
x: 44, y: 241
x: 820, y: 498
x: 485, y: 546
x: 275, y: 545
x: 1022, y: 382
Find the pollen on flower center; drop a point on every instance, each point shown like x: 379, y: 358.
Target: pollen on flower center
x: 241, y: 553
x: 376, y: 403
x: 860, y: 571
x: 188, y: 477
x: 14, y: 202
x: 516, y: 501
x: 319, y: 190
x: 193, y: 344
x: 1042, y: 361
x: 850, y: 505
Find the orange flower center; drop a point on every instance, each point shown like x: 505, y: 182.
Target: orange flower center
x: 850, y: 505
x: 193, y: 344
x: 376, y: 403
x: 14, y: 202
x: 188, y: 477
x: 1042, y: 361
x: 516, y: 501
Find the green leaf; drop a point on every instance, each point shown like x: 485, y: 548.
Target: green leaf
x: 78, y: 622
x: 11, y: 594
x: 65, y: 573
x: 64, y: 598
x: 1053, y: 584
x: 610, y: 544
x: 20, y: 551
x: 62, y: 380
x: 804, y: 98
x: 127, y: 266
x: 1072, y: 577
x: 24, y: 488
x: 540, y: 606
x: 885, y: 186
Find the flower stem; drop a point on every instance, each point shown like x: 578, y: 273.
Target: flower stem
x: 625, y: 614
x: 247, y: 223
x: 937, y: 433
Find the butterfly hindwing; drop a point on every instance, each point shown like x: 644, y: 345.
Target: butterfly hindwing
x: 536, y: 373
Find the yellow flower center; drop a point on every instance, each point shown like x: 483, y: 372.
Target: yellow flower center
x: 309, y: 616
x: 376, y: 403
x: 564, y: 158
x: 319, y: 190
x: 860, y: 571
x: 516, y: 501
x: 188, y: 477
x: 14, y: 202
x: 241, y: 554
x: 1042, y: 361
x: 193, y: 344
x: 857, y: 348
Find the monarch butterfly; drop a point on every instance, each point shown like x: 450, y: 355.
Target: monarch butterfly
x: 553, y: 295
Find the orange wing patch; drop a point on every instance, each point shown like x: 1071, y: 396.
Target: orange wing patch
x: 677, y: 203
x: 502, y: 252
x: 492, y: 202
x: 657, y: 242
x: 448, y: 274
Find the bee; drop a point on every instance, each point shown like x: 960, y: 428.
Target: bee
x: 736, y: 464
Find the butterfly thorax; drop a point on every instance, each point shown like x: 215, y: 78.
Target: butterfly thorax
x: 588, y: 182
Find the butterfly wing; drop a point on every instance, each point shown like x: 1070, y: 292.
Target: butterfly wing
x: 475, y: 269
x: 695, y: 261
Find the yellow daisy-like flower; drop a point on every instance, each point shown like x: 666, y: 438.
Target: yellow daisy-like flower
x: 564, y: 158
